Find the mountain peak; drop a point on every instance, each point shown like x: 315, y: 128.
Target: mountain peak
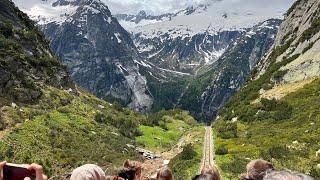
x: 142, y: 13
x: 75, y: 2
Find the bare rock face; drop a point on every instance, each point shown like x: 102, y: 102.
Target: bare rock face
x: 100, y: 54
x: 299, y: 39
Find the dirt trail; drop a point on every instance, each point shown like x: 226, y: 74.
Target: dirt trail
x: 208, y: 155
x: 150, y: 167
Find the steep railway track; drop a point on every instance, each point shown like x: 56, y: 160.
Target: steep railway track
x: 207, y: 149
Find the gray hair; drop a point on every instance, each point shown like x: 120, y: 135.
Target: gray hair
x: 88, y: 172
x: 286, y: 175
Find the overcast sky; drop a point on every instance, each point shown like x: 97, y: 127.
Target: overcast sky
x: 163, y: 6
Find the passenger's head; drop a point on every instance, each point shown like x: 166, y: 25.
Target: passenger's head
x: 212, y: 170
x: 286, y: 175
x: 132, y: 169
x: 164, y: 174
x: 256, y: 170
x: 127, y: 174
x: 203, y: 177
x: 88, y: 172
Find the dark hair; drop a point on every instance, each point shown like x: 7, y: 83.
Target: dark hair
x: 203, y: 177
x: 127, y: 174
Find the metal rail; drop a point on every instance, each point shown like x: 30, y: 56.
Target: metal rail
x: 207, y: 155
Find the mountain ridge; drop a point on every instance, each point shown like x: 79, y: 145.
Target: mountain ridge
x: 139, y: 70
x: 98, y: 50
x: 275, y: 114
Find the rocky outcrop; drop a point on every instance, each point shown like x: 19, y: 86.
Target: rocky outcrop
x: 100, y: 55
x: 26, y: 62
x: 297, y: 44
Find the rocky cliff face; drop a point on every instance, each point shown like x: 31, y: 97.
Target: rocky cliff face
x: 26, y: 61
x: 99, y: 54
x: 296, y: 47
x: 210, y: 90
x: 186, y: 53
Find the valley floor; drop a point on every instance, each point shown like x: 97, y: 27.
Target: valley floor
x: 189, y: 135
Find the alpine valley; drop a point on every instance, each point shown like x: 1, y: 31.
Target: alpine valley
x: 184, y: 59
x: 103, y: 81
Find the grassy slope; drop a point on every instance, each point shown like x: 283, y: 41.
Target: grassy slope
x: 290, y: 143
x: 284, y: 131
x: 50, y: 126
x: 184, y: 165
x: 61, y: 137
x: 156, y: 138
x: 178, y: 124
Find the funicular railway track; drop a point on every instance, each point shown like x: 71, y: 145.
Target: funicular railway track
x: 207, y: 149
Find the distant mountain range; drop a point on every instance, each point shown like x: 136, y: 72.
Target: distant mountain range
x: 148, y: 62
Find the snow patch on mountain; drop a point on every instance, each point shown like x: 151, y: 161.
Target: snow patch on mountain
x: 212, y: 17
x: 45, y: 13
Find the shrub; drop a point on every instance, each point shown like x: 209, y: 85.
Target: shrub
x: 2, y: 123
x: 309, y: 33
x: 166, y: 116
x: 315, y: 173
x: 308, y: 47
x: 100, y: 118
x: 188, y: 152
x: 278, y: 75
x: 117, y: 106
x: 284, y: 111
x: 30, y: 35
x: 6, y: 29
x: 278, y: 110
x: 246, y: 113
x: 236, y: 166
x: 227, y: 130
x: 222, y: 150
x: 269, y: 105
x: 127, y: 126
x: 275, y: 152
x: 183, y: 161
x: 163, y: 125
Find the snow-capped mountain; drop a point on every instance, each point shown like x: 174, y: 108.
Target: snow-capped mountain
x: 142, y: 18
x: 99, y: 53
x: 171, y: 60
x: 214, y: 15
x: 195, y: 37
x: 184, y: 53
x: 209, y: 91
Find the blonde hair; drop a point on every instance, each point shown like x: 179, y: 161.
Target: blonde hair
x: 164, y: 174
x: 212, y: 170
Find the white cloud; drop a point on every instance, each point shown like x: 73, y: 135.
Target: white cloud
x: 164, y: 6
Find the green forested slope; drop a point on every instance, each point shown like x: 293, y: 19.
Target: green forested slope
x: 284, y: 131
x: 45, y: 118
